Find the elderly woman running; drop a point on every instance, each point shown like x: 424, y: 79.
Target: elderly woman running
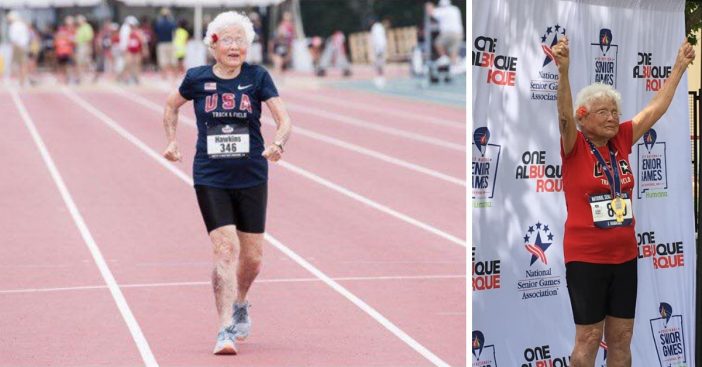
x: 230, y: 168
x: 599, y: 244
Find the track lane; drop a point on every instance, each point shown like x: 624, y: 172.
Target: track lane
x: 348, y: 255
x: 109, y: 148
x: 42, y: 248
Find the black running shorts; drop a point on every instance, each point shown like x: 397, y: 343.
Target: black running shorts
x: 244, y: 208
x: 599, y: 290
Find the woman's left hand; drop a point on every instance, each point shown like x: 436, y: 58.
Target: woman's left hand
x: 273, y: 153
x: 685, y: 55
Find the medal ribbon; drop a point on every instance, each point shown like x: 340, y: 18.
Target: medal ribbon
x: 614, y: 182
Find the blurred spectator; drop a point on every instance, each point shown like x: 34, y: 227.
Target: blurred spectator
x: 84, y: 46
x: 164, y: 27
x: 335, y: 53
x: 282, y: 43
x: 33, y: 55
x: 103, y: 49
x: 124, y: 35
x: 180, y: 43
x: 64, y: 49
x: 136, y: 50
x: 255, y: 54
x: 148, y: 55
x: 379, y: 44
x: 450, y: 31
x: 315, y: 48
x: 20, y: 37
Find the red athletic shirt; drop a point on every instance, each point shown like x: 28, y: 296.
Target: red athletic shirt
x: 583, y: 241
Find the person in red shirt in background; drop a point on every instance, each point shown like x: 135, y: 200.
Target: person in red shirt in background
x: 136, y: 50
x: 599, y: 245
x: 64, y: 48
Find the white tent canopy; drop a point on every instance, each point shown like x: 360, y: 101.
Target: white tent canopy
x: 202, y: 3
x: 46, y: 3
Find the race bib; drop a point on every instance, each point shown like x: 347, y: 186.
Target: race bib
x: 603, y: 215
x: 227, y: 141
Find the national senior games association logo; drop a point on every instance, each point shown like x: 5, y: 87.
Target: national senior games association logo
x: 605, y: 59
x: 534, y: 167
x: 663, y: 255
x: 544, y: 88
x: 654, y: 76
x: 539, y: 278
x: 483, y: 355
x: 653, y: 173
x: 486, y: 274
x: 501, y: 69
x: 542, y: 356
x: 486, y: 157
x: 669, y: 338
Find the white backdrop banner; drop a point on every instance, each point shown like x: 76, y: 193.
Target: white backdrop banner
x: 521, y: 309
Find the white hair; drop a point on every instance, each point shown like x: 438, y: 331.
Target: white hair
x: 226, y: 19
x: 596, y: 91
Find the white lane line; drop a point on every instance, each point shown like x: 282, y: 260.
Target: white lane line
x: 317, y: 136
x: 121, y: 302
x: 373, y: 204
x: 367, y: 125
x: 205, y: 283
x: 295, y: 257
x: 370, y: 126
x: 319, y: 99
x: 338, y: 188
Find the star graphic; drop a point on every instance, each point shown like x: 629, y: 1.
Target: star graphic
x: 625, y: 166
x: 546, y: 227
x: 538, y: 225
x: 531, y: 229
x: 526, y: 239
x: 563, y: 32
x: 542, y: 245
x: 543, y: 38
x: 548, y: 30
x: 550, y: 237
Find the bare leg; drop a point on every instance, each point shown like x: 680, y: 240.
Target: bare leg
x: 587, y: 340
x: 250, y: 259
x: 618, y: 333
x: 225, y: 246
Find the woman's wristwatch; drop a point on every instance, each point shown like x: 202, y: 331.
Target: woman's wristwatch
x: 279, y: 144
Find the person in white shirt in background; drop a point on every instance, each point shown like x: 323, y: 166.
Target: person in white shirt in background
x: 379, y: 43
x: 19, y: 37
x: 124, y: 31
x: 451, y: 32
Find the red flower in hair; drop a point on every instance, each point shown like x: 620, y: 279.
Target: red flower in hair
x: 214, y: 37
x: 580, y: 113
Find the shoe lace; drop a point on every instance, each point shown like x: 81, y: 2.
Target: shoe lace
x: 240, y: 313
x: 228, y: 330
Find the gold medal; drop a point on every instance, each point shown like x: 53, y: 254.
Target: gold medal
x: 619, y: 208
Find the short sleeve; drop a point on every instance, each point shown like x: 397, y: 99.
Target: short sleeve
x: 267, y: 90
x: 186, y: 87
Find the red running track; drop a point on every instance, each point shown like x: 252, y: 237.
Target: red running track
x: 57, y: 309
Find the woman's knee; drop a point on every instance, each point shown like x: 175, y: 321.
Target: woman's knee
x: 224, y: 243
x: 587, y: 341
